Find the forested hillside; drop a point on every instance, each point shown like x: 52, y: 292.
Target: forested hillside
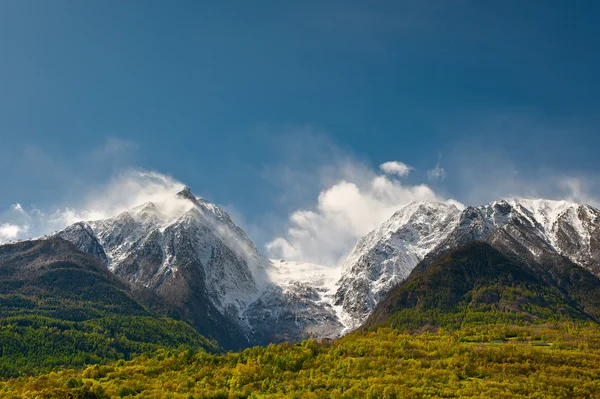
x: 543, y: 361
x: 477, y: 284
x: 60, y: 308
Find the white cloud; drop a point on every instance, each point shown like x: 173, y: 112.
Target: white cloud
x: 9, y: 231
x: 122, y: 192
x: 437, y: 173
x: 395, y: 167
x: 578, y: 190
x: 344, y: 212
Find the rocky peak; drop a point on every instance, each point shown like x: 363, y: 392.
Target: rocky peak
x: 187, y: 194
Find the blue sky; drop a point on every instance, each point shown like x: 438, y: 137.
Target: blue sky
x: 256, y: 105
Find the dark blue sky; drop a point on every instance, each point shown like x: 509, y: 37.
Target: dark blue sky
x: 221, y: 95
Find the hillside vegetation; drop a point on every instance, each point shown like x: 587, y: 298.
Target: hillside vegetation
x: 476, y: 284
x: 60, y: 308
x: 543, y: 361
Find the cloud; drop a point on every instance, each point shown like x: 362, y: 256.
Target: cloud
x: 9, y: 232
x: 344, y: 212
x: 330, y: 198
x: 395, y: 167
x: 123, y: 191
x: 436, y: 173
x: 579, y: 190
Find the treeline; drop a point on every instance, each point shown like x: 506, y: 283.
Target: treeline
x: 500, y: 361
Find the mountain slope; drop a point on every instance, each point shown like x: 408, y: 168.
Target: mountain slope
x: 387, y: 255
x: 59, y: 306
x: 478, y: 284
x: 60, y: 277
x: 297, y: 304
x: 185, y: 256
x: 533, y: 230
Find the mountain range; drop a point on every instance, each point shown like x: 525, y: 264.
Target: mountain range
x: 185, y: 258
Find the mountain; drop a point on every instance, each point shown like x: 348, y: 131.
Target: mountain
x: 533, y: 227
x: 478, y: 284
x: 59, y: 307
x: 189, y: 254
x: 58, y: 277
x: 194, y: 262
x: 530, y: 229
x: 184, y: 257
x: 387, y: 255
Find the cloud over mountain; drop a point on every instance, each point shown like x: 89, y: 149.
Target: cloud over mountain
x: 344, y: 212
x: 395, y: 168
x: 124, y: 191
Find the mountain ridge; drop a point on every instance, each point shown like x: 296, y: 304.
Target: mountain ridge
x: 189, y: 254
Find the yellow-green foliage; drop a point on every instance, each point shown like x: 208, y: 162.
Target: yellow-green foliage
x: 543, y: 361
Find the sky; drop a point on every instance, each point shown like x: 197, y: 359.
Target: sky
x: 310, y: 122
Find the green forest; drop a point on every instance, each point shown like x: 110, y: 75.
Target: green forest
x: 553, y: 360
x: 34, y: 344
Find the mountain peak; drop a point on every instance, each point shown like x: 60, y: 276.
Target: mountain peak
x: 186, y: 193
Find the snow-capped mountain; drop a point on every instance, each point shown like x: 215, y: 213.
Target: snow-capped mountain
x: 531, y: 228
x: 388, y: 254
x: 147, y: 244
x: 190, y: 253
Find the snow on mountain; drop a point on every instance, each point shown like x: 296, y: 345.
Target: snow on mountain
x: 388, y: 254
x: 299, y: 303
x: 148, y: 243
x: 285, y: 273
x: 539, y: 226
x: 191, y: 254
x: 535, y: 227
x: 570, y: 229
